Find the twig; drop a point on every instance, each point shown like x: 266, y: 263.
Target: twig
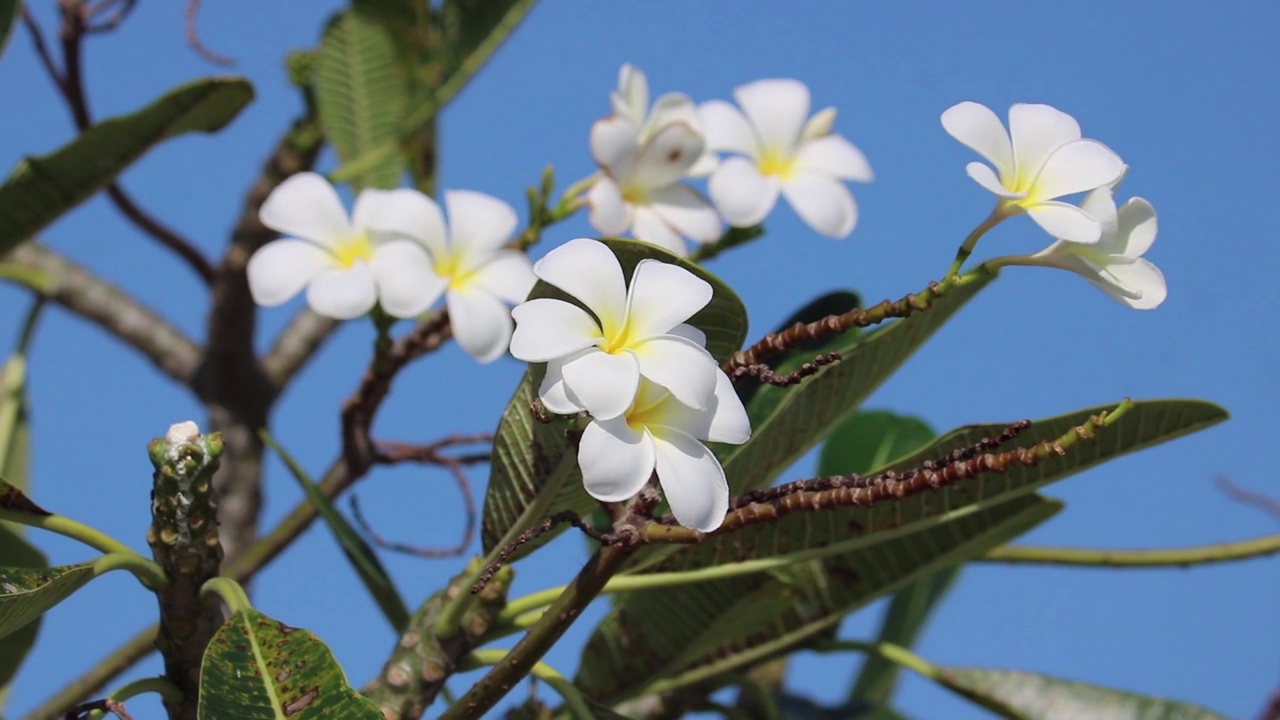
x: 1265, y: 503
x: 468, y: 530
x: 391, y: 453
x: 123, y: 9
x: 193, y: 38
x: 119, y: 314
x: 1162, y: 558
x: 114, y: 707
x: 765, y: 374
x: 1272, y: 710
x: 295, y: 345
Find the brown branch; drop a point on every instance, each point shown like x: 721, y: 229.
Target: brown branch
x: 82, y: 710
x: 765, y: 374
x: 101, y: 25
x: 107, y: 306
x: 1265, y: 503
x: 1272, y: 710
x: 193, y: 38
x: 295, y: 346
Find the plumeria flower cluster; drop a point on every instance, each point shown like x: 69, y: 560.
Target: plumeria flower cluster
x: 394, y: 251
x: 632, y: 362
x: 644, y: 153
x: 1043, y: 157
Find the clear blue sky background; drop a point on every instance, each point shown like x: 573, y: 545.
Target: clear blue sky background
x: 1186, y: 94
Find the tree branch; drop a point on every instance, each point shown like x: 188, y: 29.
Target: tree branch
x: 98, y: 301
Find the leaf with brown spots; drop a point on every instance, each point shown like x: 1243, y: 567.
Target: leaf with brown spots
x: 27, y: 593
x: 257, y: 667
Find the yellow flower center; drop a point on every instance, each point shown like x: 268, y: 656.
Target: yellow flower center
x: 449, y: 266
x: 353, y: 249
x: 776, y: 163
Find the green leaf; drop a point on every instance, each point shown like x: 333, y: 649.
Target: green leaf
x: 12, y: 498
x: 359, y: 554
x: 786, y: 422
x: 1040, y: 697
x: 360, y: 95
x: 256, y: 668
x: 534, y: 471
x: 10, y: 11
x: 42, y: 188
x: 697, y: 632
x: 860, y: 444
x: 27, y: 593
x: 14, y: 647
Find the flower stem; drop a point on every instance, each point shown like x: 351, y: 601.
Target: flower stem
x: 67, y: 527
x: 1171, y: 557
x: 157, y: 685
x: 572, y: 697
x: 903, y: 657
x: 966, y: 248
x: 229, y: 591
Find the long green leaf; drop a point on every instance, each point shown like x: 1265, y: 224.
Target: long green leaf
x: 362, y: 558
x: 360, y: 95
x: 256, y: 668
x: 39, y: 189
x: 10, y: 10
x: 1040, y: 697
x: 860, y: 444
x: 534, y: 470
x: 27, y: 593
x: 698, y: 632
x: 14, y: 647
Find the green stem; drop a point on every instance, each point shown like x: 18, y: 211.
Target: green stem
x: 67, y: 527
x: 966, y: 248
x: 147, y: 571
x: 229, y: 591
x: 572, y: 697
x: 520, y: 660
x: 1171, y: 557
x: 905, y: 658
x: 158, y: 685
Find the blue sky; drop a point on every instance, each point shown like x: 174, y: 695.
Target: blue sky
x: 1188, y: 98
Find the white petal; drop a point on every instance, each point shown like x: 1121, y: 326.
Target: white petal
x: 663, y: 295
x: 548, y: 329
x: 616, y: 461
x: 687, y: 211
x: 609, y: 212
x: 825, y: 204
x: 705, y: 165
x: 406, y: 279
x: 652, y: 228
x: 1138, y: 276
x: 681, y: 366
x: 402, y: 212
x: 1136, y: 227
x: 1101, y: 206
x: 689, y: 332
x: 819, y: 125
x: 305, y: 205
x: 666, y: 157
x: 1077, y: 167
x: 509, y: 276
x: 729, y: 422
x: 587, y: 270
x: 670, y: 108
x: 692, y: 481
x: 777, y: 108
x: 614, y: 144
x: 280, y: 269
x: 833, y: 156
x: 1037, y: 131
x: 632, y: 98
x: 742, y: 195
x: 604, y: 384
x: 553, y: 393
x: 986, y: 177
x: 480, y: 322
x: 343, y: 294
x: 1066, y: 221
x: 980, y: 130
x: 479, y: 225
x: 727, y: 129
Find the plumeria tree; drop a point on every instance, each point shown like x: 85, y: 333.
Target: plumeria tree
x: 648, y: 419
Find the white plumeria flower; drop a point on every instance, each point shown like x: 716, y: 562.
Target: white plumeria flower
x: 346, y: 265
x: 618, y: 455
x: 1044, y: 159
x: 631, y: 101
x: 639, y: 190
x: 471, y: 267
x: 595, y: 363
x: 786, y: 151
x: 1114, y: 264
